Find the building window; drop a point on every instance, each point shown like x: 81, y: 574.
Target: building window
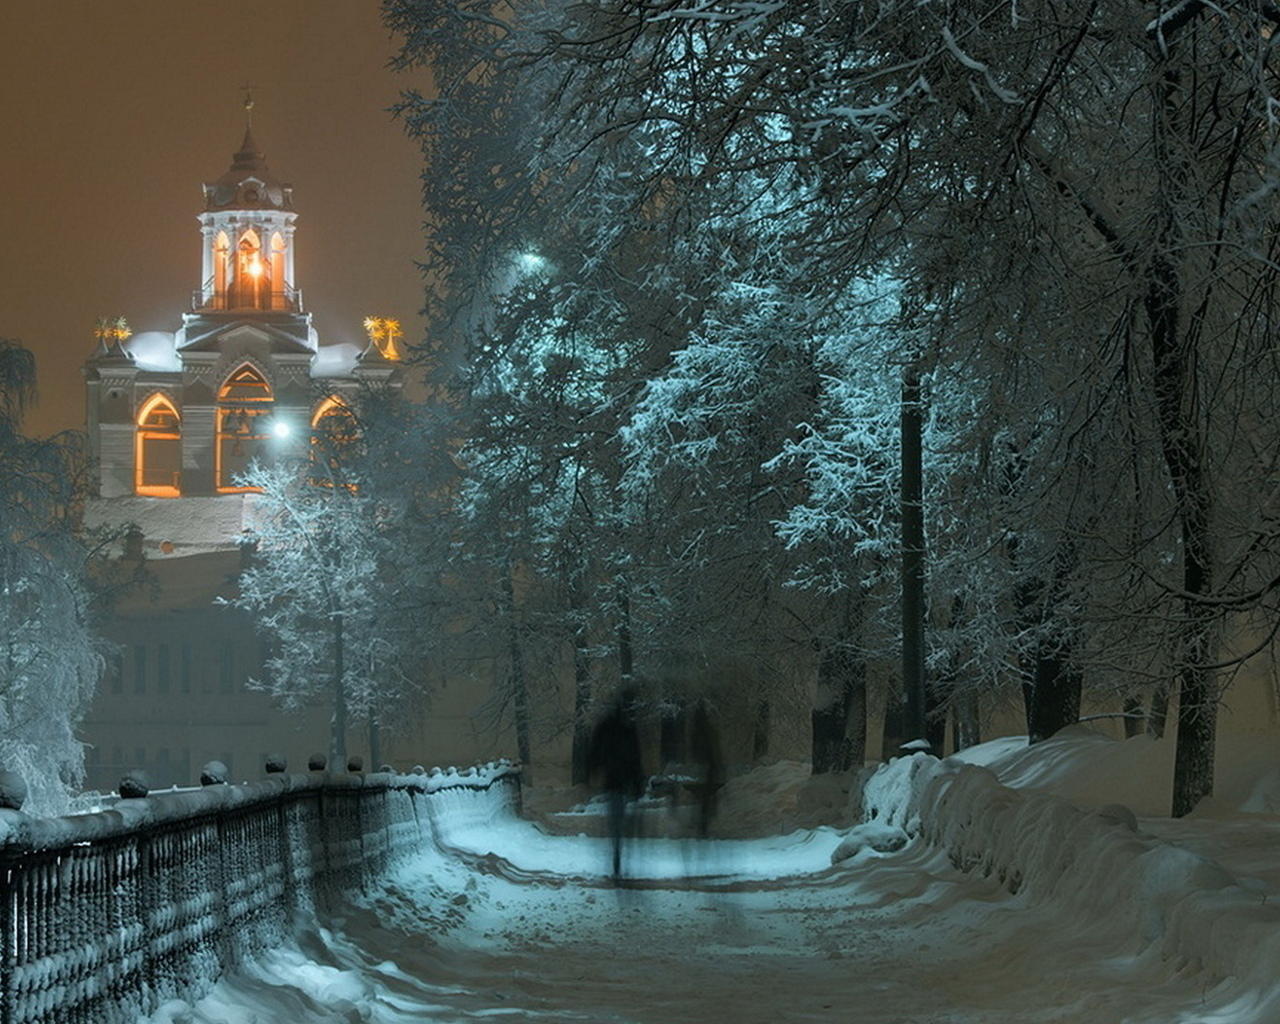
x: 139, y: 669
x: 334, y: 433
x: 115, y: 669
x: 157, y: 463
x: 251, y: 285
x: 244, y: 403
x: 162, y: 668
x: 279, y: 290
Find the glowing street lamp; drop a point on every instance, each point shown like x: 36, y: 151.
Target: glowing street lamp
x: 531, y: 262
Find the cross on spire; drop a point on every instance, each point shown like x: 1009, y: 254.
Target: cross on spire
x: 248, y: 105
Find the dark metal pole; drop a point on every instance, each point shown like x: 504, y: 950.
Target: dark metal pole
x: 913, y: 557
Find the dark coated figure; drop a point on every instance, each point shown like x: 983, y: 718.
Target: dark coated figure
x: 704, y: 751
x: 614, y: 757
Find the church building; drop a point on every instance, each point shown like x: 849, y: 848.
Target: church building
x: 181, y: 414
x: 173, y: 419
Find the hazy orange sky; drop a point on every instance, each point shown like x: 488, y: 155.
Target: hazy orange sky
x: 114, y: 113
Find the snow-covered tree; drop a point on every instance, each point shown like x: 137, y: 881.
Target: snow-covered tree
x: 49, y: 656
x: 323, y: 585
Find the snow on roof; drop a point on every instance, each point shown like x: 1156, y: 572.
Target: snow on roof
x: 335, y: 360
x: 154, y: 350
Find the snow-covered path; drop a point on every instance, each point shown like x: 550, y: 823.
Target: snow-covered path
x: 513, y: 924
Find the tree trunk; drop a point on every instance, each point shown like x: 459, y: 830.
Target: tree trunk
x: 966, y: 722
x: 891, y: 729
x: 760, y: 730
x: 1158, y: 713
x: 1182, y: 444
x: 1134, y: 720
x: 1056, y: 693
x: 913, y: 558
x: 671, y: 732
x: 1051, y: 684
x: 581, y: 702
x: 1027, y: 597
x: 375, y: 744
x: 935, y: 723
x: 579, y: 771
x: 839, y: 715
x: 828, y: 715
x: 517, y: 688
x: 625, y: 656
x: 1057, y: 683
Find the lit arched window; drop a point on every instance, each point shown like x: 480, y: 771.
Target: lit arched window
x: 244, y: 403
x: 221, y: 260
x: 157, y: 461
x: 333, y: 433
x: 252, y: 280
x: 279, y: 300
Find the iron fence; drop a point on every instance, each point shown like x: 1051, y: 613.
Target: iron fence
x: 104, y: 916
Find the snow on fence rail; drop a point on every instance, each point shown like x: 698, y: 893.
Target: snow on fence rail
x: 104, y: 916
x: 1095, y: 866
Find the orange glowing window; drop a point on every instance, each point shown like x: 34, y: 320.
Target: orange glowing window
x: 334, y: 432
x: 252, y: 284
x: 244, y: 404
x: 157, y: 463
x: 245, y: 385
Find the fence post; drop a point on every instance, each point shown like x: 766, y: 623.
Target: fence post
x: 288, y: 884
x: 9, y: 943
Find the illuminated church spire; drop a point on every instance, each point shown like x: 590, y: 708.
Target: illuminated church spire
x: 247, y: 235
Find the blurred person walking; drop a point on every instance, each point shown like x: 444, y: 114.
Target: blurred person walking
x: 704, y: 750
x: 614, y: 757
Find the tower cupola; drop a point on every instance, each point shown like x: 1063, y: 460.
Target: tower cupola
x: 247, y: 237
x: 248, y: 184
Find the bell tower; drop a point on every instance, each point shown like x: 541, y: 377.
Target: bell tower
x: 182, y: 414
x: 247, y: 237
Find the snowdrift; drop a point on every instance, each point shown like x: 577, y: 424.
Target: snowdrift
x: 1096, y: 866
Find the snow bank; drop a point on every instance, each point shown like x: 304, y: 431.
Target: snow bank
x: 1085, y: 767
x: 1095, y: 866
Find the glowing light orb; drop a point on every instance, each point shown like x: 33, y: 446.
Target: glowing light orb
x: 281, y: 428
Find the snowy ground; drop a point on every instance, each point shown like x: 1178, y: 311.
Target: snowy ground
x: 506, y: 922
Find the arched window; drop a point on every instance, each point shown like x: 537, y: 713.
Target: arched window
x: 252, y: 276
x: 334, y: 432
x: 244, y: 403
x: 221, y: 261
x: 157, y: 461
x: 279, y: 300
